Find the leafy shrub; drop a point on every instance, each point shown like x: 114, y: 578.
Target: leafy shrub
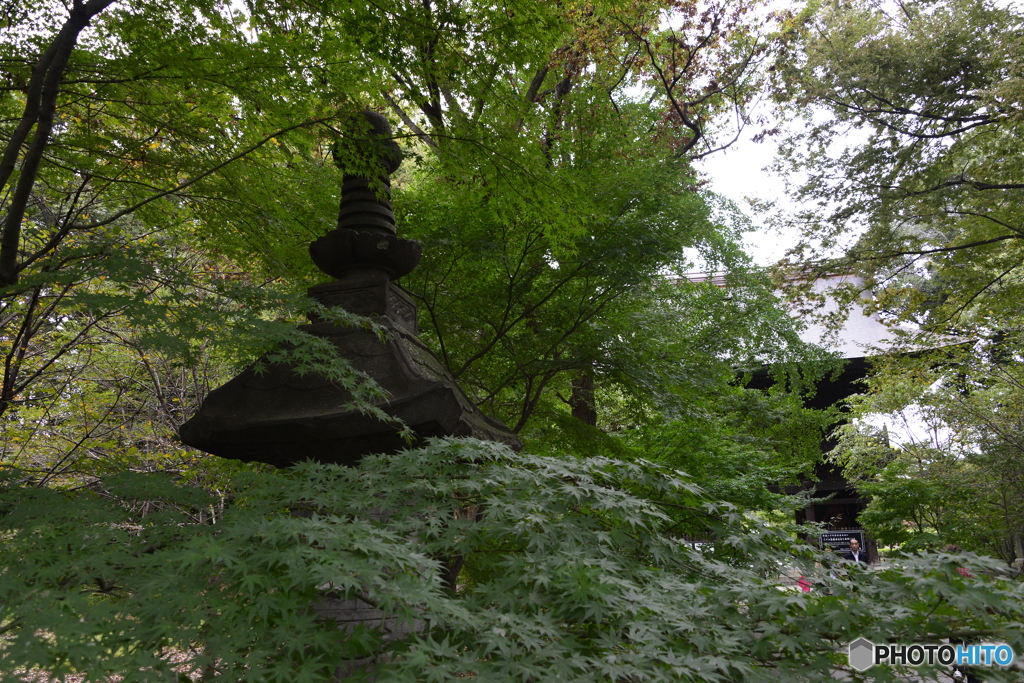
x: 577, y: 570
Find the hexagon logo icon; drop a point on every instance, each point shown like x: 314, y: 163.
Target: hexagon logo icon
x: 861, y: 654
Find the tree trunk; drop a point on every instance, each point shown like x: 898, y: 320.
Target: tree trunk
x: 582, y: 399
x: 40, y: 107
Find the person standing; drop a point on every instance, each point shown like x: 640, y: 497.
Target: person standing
x: 855, y: 553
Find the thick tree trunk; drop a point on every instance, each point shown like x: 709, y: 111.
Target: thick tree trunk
x: 582, y: 399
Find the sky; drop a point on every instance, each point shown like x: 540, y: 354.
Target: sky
x: 740, y: 172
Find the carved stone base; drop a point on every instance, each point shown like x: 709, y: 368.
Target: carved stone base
x: 350, y: 613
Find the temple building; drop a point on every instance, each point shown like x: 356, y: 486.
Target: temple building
x: 861, y: 336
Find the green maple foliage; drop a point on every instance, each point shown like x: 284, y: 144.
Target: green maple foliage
x: 909, y: 139
x: 579, y: 569
x: 171, y: 202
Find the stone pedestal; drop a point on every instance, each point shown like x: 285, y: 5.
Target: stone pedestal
x: 351, y: 613
x: 280, y: 417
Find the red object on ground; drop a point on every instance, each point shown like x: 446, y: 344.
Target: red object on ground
x: 804, y: 584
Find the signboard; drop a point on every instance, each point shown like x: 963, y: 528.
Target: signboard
x: 839, y: 541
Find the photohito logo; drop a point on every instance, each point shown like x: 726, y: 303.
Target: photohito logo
x: 864, y: 653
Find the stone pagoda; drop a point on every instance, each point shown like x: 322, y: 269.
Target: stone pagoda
x: 280, y: 417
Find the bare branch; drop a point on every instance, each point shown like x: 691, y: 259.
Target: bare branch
x: 410, y: 124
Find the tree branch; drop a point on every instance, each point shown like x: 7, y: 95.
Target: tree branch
x: 52, y: 64
x: 531, y: 93
x: 937, y: 250
x: 410, y: 124
x: 196, y: 179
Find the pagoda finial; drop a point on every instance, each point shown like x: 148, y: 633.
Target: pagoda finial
x: 366, y: 235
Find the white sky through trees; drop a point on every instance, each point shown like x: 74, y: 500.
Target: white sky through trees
x: 740, y: 172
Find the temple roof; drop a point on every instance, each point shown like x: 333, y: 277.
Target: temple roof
x: 861, y: 334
